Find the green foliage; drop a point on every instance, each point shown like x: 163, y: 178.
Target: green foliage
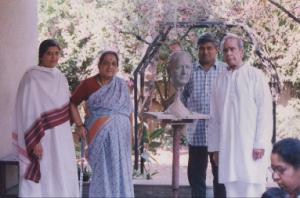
x: 86, y: 171
x: 86, y: 27
x: 279, y: 36
x: 82, y: 31
x: 288, y: 120
x: 152, y: 139
x: 297, y: 88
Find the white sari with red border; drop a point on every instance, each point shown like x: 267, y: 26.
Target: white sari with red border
x: 42, y: 115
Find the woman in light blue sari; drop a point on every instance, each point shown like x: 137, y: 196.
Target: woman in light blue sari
x: 108, y: 124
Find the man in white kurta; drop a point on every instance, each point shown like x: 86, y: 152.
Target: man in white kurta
x: 240, y: 127
x: 42, y: 117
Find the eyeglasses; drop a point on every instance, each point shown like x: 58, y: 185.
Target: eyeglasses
x: 279, y: 170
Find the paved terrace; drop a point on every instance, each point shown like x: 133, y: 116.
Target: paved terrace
x: 160, y: 184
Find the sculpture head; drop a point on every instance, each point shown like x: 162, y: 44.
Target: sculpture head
x: 179, y: 68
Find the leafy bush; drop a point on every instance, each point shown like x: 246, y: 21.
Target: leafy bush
x: 288, y: 119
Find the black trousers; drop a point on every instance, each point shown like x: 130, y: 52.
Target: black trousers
x: 197, y: 165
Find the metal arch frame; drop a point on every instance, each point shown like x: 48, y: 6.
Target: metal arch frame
x: 164, y: 29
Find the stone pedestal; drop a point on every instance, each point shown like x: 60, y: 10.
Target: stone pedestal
x: 178, y: 125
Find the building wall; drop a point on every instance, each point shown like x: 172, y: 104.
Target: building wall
x: 18, y: 51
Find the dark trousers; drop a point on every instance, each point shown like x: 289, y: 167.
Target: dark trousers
x: 197, y: 165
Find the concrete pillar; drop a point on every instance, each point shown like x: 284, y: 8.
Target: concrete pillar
x: 18, y: 51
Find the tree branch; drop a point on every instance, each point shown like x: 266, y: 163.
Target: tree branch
x: 186, y: 33
x: 285, y: 11
x: 138, y: 37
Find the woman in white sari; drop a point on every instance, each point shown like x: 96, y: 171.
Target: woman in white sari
x: 42, y: 133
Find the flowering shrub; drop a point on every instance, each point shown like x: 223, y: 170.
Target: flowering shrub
x: 288, y: 119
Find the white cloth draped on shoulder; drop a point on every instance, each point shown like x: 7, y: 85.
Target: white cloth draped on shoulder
x: 42, y: 116
x: 241, y: 120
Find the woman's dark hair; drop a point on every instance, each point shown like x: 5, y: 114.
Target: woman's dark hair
x: 289, y: 150
x: 101, y: 59
x: 274, y: 192
x: 45, y: 45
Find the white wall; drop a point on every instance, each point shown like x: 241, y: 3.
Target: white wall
x: 18, y: 51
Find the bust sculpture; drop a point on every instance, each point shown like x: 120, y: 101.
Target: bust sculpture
x: 179, y: 69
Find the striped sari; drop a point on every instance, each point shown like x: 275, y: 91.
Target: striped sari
x: 109, y: 138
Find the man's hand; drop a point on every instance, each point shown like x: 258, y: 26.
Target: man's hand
x: 258, y: 153
x: 216, y: 158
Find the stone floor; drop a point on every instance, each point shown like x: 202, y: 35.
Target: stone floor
x: 160, y: 184
x: 163, y: 179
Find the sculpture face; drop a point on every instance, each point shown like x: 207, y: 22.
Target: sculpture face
x: 180, y: 71
x: 179, y: 68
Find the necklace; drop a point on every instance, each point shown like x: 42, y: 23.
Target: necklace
x: 98, y: 80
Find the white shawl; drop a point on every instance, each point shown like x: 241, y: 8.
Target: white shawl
x: 41, y: 115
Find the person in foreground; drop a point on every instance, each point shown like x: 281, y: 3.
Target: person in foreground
x: 285, y: 165
x: 240, y: 126
x: 275, y: 192
x: 108, y: 124
x: 42, y: 133
x: 196, y: 97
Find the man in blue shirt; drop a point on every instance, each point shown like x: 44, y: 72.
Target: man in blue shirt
x: 196, y: 97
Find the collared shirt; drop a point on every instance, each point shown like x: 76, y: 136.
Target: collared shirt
x: 196, y: 97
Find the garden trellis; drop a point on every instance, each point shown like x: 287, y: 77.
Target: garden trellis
x: 153, y: 49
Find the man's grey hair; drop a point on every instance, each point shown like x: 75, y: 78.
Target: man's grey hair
x: 208, y: 37
x: 232, y: 36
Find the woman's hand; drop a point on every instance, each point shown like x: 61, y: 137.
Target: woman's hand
x: 38, y: 151
x: 81, y: 131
